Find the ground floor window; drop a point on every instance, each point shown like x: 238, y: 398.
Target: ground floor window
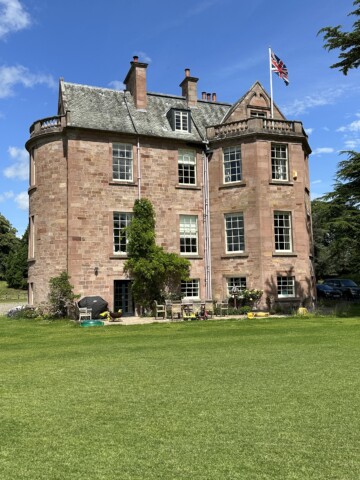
x: 235, y: 283
x: 190, y: 289
x: 285, y: 287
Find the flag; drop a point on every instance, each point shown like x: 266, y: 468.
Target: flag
x: 279, y: 67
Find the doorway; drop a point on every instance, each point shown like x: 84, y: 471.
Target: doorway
x: 123, y: 298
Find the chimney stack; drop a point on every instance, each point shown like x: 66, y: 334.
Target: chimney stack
x: 135, y: 82
x: 214, y: 97
x: 208, y: 95
x: 203, y: 95
x: 189, y: 88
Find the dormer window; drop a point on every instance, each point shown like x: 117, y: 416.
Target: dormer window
x: 257, y: 114
x: 180, y: 120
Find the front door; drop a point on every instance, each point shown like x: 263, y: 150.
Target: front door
x: 123, y: 298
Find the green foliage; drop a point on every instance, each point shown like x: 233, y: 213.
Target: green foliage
x: 61, y: 296
x: 8, y: 243
x: 336, y: 223
x: 347, y: 42
x: 153, y: 271
x: 16, y: 266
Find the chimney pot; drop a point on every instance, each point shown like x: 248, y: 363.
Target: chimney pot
x: 136, y: 58
x: 208, y: 95
x: 214, y: 97
x: 203, y: 95
x: 187, y: 72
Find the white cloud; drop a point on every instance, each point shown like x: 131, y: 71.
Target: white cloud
x: 143, y: 57
x: 315, y: 182
x: 309, y: 131
x: 352, y: 127
x: 20, y: 168
x: 201, y: 7
x: 352, y: 144
x: 6, y: 196
x: 325, y: 97
x: 20, y: 75
x: 22, y: 200
x: 13, y: 17
x: 322, y: 150
x: 117, y: 85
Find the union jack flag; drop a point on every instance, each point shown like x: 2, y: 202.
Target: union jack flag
x: 279, y: 67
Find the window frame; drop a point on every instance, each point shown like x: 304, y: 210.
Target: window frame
x: 279, y: 162
x: 187, y: 234
x: 232, y: 164
x: 286, y: 282
x: 192, y: 285
x: 232, y: 282
x: 125, y: 163
x: 119, y: 233
x: 192, y: 167
x: 257, y: 114
x: 281, y: 237
x: 230, y: 236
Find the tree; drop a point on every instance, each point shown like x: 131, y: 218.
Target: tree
x: 153, y: 271
x: 8, y: 242
x: 347, y: 42
x: 16, y: 266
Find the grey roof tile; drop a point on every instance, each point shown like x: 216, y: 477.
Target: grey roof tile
x: 112, y: 110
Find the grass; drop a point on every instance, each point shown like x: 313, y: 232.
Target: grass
x: 259, y: 399
x: 11, y: 294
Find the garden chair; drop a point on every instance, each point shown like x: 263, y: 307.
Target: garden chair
x: 209, y: 308
x: 84, y: 313
x: 223, y: 307
x: 160, y: 310
x: 176, y: 311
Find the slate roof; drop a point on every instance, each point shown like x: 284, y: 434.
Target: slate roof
x: 113, y: 110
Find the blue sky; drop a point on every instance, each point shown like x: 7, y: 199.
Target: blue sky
x: 224, y: 43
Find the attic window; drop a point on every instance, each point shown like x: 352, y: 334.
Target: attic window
x: 257, y: 114
x: 180, y: 120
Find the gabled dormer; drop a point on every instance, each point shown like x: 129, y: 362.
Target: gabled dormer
x: 180, y: 119
x: 255, y: 103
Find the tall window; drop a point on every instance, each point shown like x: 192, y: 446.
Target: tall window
x: 32, y: 167
x: 279, y: 162
x: 31, y: 250
x: 234, y: 227
x: 282, y: 230
x: 181, y: 121
x: 121, y: 221
x: 235, y: 282
x: 122, y: 162
x: 188, y: 234
x: 190, y: 289
x: 232, y: 164
x: 187, y: 167
x: 285, y: 287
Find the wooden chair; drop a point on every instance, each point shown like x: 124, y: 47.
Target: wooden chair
x: 176, y: 311
x: 223, y: 308
x: 209, y: 308
x: 160, y: 310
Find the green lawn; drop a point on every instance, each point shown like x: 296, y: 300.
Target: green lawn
x: 236, y: 399
x: 11, y: 294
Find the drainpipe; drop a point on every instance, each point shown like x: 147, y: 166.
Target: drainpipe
x: 139, y: 167
x: 207, y: 239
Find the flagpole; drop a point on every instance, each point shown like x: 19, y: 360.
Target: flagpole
x: 271, y: 86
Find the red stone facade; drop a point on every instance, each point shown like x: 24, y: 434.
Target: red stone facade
x: 73, y: 197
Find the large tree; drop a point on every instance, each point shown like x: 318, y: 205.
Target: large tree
x: 8, y: 242
x: 347, y: 42
x: 153, y: 271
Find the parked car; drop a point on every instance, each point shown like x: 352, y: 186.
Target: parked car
x: 325, y: 291
x: 348, y: 288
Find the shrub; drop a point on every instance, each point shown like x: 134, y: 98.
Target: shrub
x: 61, y: 296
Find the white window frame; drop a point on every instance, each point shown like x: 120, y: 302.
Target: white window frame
x: 279, y: 162
x: 238, y: 282
x: 285, y: 286
x: 121, y: 220
x: 122, y: 162
x: 187, y: 167
x: 232, y: 166
x: 189, y: 233
x: 181, y: 121
x: 190, y: 289
x: 257, y: 114
x: 31, y: 247
x: 234, y: 230
x: 283, y: 232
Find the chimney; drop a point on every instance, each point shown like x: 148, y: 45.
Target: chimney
x: 208, y: 97
x: 214, y: 97
x: 203, y: 95
x: 189, y: 88
x: 135, y: 82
